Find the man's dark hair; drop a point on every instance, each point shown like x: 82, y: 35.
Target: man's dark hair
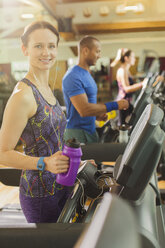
x: 87, y: 41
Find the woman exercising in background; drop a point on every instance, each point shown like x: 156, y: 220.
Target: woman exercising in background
x: 126, y: 85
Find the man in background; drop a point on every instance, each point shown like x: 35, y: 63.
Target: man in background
x: 80, y: 95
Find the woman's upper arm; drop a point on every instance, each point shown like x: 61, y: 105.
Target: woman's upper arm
x: 19, y: 109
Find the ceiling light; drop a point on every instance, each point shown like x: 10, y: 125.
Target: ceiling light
x: 87, y: 12
x: 131, y: 8
x: 70, y: 13
x: 104, y: 10
x: 27, y: 16
x: 122, y: 9
x: 139, y: 9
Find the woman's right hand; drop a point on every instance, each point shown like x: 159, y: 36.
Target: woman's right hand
x: 57, y: 163
x: 123, y: 104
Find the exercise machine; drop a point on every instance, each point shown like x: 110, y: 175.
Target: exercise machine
x: 134, y: 180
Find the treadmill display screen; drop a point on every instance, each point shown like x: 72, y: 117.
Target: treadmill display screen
x: 136, y: 133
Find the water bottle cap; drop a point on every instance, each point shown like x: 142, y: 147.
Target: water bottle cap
x: 74, y: 143
x: 124, y: 127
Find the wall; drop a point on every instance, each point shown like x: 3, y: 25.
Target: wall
x: 56, y: 74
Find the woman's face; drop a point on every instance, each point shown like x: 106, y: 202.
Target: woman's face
x: 132, y: 59
x: 41, y: 49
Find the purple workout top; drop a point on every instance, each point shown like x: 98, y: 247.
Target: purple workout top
x: 42, y: 137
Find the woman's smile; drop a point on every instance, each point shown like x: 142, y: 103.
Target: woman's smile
x: 45, y: 61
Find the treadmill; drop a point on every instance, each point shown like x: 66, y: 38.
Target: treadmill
x: 134, y: 173
x: 135, y: 177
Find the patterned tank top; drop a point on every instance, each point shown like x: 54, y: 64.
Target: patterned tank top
x: 42, y: 137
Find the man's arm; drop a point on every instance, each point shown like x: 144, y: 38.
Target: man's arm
x: 84, y: 108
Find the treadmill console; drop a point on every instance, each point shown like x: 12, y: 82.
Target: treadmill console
x: 134, y: 169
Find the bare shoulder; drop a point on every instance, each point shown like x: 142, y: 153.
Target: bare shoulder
x: 23, y: 89
x: 22, y: 100
x: 23, y: 93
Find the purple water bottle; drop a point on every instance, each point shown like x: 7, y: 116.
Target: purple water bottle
x: 73, y: 150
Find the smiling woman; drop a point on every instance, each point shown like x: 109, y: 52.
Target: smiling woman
x: 34, y: 115
x: 42, y: 54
